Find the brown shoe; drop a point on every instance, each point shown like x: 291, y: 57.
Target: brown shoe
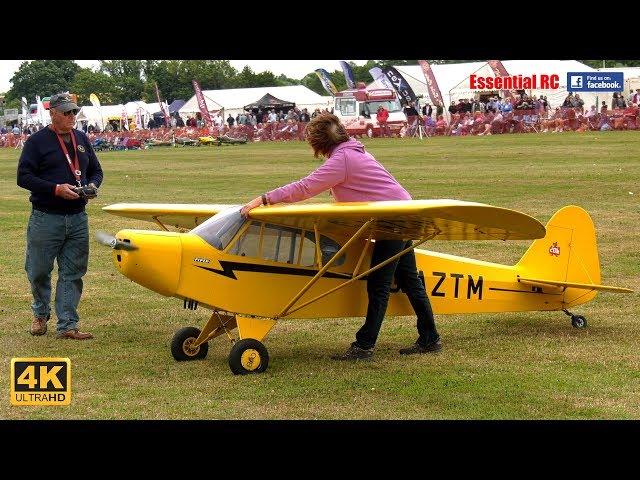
x: 39, y: 326
x: 75, y: 334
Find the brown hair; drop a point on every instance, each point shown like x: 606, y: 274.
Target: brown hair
x: 324, y: 132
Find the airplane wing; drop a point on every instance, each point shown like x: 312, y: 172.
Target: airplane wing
x: 583, y: 286
x: 174, y: 214
x: 408, y: 219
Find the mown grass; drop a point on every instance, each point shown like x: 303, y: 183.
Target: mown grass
x: 496, y: 366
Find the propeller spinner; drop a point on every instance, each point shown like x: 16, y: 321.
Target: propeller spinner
x: 109, y: 240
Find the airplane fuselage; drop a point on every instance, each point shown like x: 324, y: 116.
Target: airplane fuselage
x: 187, y: 267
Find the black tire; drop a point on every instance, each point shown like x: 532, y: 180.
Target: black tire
x: 180, y: 345
x: 578, y: 321
x: 248, y: 356
x: 369, y: 131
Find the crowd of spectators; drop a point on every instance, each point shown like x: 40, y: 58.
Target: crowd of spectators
x: 516, y: 114
x: 255, y: 125
x: 524, y: 114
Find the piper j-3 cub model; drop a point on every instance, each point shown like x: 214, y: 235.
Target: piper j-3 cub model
x: 311, y: 261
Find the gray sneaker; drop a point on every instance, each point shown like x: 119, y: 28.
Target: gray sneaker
x: 354, y: 352
x: 430, y: 347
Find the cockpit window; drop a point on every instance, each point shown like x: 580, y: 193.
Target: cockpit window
x: 282, y: 244
x: 221, y: 228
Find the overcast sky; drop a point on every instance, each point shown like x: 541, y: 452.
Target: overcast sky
x: 291, y: 68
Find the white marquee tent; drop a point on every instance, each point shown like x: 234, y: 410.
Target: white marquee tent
x: 100, y: 116
x: 233, y: 100
x: 453, y: 79
x: 631, y: 77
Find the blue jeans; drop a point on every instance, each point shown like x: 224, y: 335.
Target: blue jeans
x: 405, y: 271
x: 65, y: 238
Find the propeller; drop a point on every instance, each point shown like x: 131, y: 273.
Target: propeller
x: 109, y: 240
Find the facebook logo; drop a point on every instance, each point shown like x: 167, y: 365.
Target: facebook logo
x: 576, y: 81
x: 595, y: 81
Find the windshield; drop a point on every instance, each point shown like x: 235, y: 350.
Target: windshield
x: 346, y: 106
x: 391, y: 105
x: 221, y: 228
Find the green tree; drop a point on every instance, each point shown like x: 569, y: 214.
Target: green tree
x: 164, y: 73
x: 127, y: 76
x: 42, y: 77
x: 245, y: 79
x: 87, y: 82
x: 281, y: 80
x: 175, y: 77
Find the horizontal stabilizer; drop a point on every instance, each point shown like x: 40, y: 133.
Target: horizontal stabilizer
x: 583, y: 286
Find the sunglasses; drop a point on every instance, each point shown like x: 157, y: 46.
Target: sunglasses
x: 70, y: 112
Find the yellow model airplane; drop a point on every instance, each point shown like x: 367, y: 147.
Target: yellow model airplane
x: 311, y: 260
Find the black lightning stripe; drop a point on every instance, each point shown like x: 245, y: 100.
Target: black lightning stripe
x: 228, y: 269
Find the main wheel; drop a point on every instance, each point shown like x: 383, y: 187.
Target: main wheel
x: 181, y: 345
x: 578, y: 321
x: 248, y: 356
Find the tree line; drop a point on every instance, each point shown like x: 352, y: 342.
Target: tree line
x: 122, y: 81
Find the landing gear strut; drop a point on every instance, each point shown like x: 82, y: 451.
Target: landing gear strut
x: 577, y: 321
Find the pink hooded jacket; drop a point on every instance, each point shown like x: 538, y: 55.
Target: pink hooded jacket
x: 352, y: 174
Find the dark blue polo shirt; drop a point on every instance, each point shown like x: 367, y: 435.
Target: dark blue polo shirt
x: 43, y: 164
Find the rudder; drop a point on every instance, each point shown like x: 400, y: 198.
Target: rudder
x: 567, y: 253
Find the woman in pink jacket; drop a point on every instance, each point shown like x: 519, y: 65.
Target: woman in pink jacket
x: 353, y: 175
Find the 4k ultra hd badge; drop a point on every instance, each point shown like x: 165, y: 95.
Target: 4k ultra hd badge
x: 40, y: 381
x: 595, y: 81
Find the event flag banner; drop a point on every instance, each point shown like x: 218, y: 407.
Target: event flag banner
x: 25, y: 110
x: 400, y: 85
x: 432, y: 85
x: 500, y: 71
x: 348, y: 74
x: 93, y: 98
x: 595, y: 81
x: 123, y: 119
x: 139, y: 125
x: 164, y: 111
x: 40, y: 109
x: 376, y: 73
x: 202, y: 103
x: 326, y: 81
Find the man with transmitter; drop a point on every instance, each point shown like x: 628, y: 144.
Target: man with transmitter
x: 60, y: 168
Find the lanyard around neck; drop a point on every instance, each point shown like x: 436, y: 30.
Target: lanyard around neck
x: 74, y: 165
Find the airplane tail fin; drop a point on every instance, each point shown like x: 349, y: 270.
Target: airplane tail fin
x: 566, y: 258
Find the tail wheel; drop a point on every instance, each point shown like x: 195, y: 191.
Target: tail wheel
x: 182, y: 345
x: 578, y: 321
x: 248, y: 356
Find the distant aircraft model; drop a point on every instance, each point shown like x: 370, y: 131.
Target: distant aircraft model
x: 227, y: 140
x: 311, y: 261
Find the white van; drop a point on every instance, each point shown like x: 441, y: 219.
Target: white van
x: 357, y: 111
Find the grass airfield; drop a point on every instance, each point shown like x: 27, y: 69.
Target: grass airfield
x: 530, y: 365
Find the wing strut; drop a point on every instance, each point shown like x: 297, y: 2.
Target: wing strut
x: 324, y: 267
x: 286, y: 310
x: 159, y: 223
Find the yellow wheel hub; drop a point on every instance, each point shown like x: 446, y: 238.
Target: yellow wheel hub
x: 250, y: 359
x: 188, y: 348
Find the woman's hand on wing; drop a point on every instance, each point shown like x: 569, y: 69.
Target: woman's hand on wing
x: 256, y: 202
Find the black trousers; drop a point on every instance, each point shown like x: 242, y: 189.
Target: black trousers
x: 379, y: 284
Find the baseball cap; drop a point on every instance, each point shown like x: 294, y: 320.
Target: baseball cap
x: 62, y: 102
